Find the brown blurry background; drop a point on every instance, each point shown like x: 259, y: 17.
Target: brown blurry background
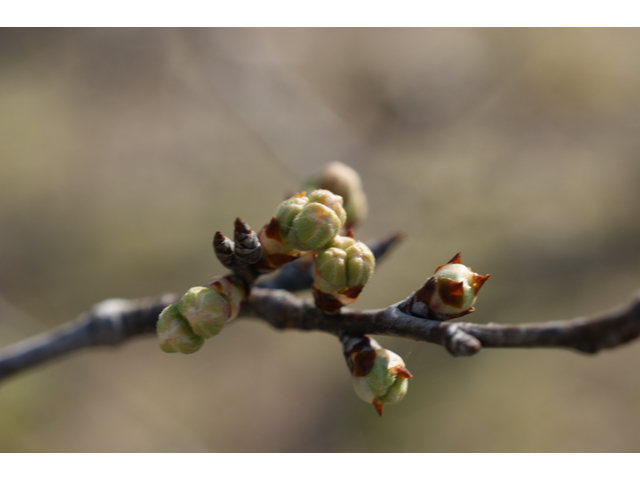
x: 123, y: 151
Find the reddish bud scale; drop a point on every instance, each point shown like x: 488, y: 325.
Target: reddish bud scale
x: 360, y: 355
x: 379, y: 375
x: 274, y: 253
x: 329, y: 303
x: 449, y: 293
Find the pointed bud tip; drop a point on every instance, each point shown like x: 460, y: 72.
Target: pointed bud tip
x: 241, y: 226
x: 377, y: 406
x: 456, y: 259
x: 478, y: 281
x: 401, y: 372
x: 272, y: 229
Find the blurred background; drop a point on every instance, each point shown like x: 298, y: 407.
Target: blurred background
x: 123, y: 151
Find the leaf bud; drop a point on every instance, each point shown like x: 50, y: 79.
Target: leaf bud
x: 344, y: 181
x: 386, y: 380
x: 449, y: 293
x: 175, y: 333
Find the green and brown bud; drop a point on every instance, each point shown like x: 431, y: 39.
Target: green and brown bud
x: 341, y: 270
x: 379, y: 375
x: 207, y: 309
x: 449, y: 293
x: 175, y: 333
x: 302, y: 223
x: 344, y: 181
x: 315, y: 224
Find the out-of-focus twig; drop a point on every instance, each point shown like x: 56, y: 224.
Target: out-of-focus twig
x: 109, y: 323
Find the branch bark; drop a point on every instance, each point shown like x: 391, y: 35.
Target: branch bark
x: 114, y: 321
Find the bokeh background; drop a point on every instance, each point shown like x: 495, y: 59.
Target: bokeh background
x: 123, y: 151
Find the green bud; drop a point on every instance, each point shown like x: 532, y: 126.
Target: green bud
x: 330, y: 270
x: 386, y: 382
x: 232, y: 291
x: 206, y: 310
x: 450, y: 292
x: 175, y: 333
x: 288, y: 211
x: 314, y: 227
x: 306, y: 223
x: 344, y: 263
x: 360, y: 264
x: 331, y: 200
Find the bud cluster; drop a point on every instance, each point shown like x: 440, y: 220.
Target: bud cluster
x: 201, y: 313
x: 449, y: 293
x: 302, y: 223
x: 342, y: 265
x: 379, y: 375
x: 340, y: 271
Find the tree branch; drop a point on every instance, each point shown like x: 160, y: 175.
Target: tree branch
x: 109, y: 323
x: 113, y: 321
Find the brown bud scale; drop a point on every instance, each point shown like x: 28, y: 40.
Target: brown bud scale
x: 400, y: 372
x: 326, y: 302
x: 248, y: 249
x: 360, y: 356
x: 224, y: 249
x: 451, y: 292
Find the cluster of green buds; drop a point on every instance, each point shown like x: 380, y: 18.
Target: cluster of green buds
x: 201, y: 313
x: 302, y: 223
x: 344, y: 181
x: 379, y: 375
x: 340, y: 271
x: 449, y: 293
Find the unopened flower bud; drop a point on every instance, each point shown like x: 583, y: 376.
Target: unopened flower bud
x: 175, y: 333
x: 314, y: 227
x: 344, y: 263
x: 289, y: 210
x: 308, y: 223
x: 449, y: 293
x: 231, y: 290
x: 344, y: 181
x: 386, y: 382
x: 206, y: 310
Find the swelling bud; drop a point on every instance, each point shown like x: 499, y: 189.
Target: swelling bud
x: 342, y: 264
x: 207, y: 309
x: 386, y: 381
x: 309, y: 223
x: 449, y: 293
x: 340, y: 272
x: 175, y: 333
